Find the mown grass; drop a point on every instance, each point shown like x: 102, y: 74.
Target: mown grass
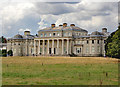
x: 59, y: 71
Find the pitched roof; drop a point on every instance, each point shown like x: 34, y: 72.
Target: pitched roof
x: 74, y: 28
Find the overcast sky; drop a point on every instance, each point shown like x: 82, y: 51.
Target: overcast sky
x: 19, y: 16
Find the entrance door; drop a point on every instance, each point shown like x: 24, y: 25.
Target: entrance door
x: 54, y: 50
x: 50, y: 51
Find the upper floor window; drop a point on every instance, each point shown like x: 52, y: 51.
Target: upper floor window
x: 40, y: 43
x: 45, y: 35
x: 49, y: 34
x: 92, y: 41
x: 64, y: 34
x: 41, y: 35
x: 58, y: 34
x: 104, y: 41
x: 76, y: 42
x: 87, y: 41
x: 53, y: 34
x: 69, y: 34
x: 76, y: 33
x: 98, y: 41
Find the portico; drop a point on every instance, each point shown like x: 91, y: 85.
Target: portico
x: 59, y: 46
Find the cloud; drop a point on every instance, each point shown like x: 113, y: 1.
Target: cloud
x: 38, y: 15
x: 15, y: 11
x: 90, y: 16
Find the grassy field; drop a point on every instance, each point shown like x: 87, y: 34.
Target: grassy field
x: 59, y: 71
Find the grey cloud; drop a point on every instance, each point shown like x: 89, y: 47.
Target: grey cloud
x: 55, y: 9
x: 81, y: 14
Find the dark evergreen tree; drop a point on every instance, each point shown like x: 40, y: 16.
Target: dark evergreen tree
x: 10, y: 53
x: 3, y: 40
x: 112, y: 46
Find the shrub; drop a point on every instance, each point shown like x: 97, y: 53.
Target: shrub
x: 4, y: 53
x: 10, y: 53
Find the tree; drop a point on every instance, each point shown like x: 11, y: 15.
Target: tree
x: 112, y: 46
x: 4, y: 53
x: 3, y: 40
x: 10, y: 53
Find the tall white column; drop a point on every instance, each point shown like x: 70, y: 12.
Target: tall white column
x: 52, y: 46
x: 58, y: 46
x: 26, y: 47
x: 67, y: 46
x: 48, y: 47
x: 62, y: 46
x: 34, y: 47
x: 70, y: 46
x: 73, y: 48
x: 39, y: 47
x: 43, y: 47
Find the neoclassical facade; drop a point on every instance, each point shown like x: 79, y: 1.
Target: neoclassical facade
x: 62, y: 40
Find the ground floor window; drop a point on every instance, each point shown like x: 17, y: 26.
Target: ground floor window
x: 87, y: 49
x: 65, y: 49
x: 40, y: 50
x: 93, y: 49
x: 14, y: 50
x: 19, y: 50
x: 78, y: 50
x: 31, y: 50
x: 45, y: 49
x: 98, y: 48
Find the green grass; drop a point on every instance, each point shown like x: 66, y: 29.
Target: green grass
x: 28, y: 73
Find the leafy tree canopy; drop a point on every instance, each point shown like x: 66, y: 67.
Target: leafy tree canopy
x: 112, y: 46
x: 3, y: 40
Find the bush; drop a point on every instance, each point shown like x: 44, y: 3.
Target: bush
x: 4, y: 53
x: 10, y: 53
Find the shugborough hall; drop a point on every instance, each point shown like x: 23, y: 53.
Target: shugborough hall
x: 62, y: 40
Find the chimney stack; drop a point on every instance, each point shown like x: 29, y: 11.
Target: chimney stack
x: 52, y: 25
x: 72, y: 25
x: 64, y: 24
x: 104, y: 30
x: 26, y: 32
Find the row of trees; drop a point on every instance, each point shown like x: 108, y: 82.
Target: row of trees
x: 112, y: 46
x: 3, y: 40
x: 4, y: 53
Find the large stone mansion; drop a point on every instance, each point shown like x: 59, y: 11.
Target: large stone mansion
x: 63, y: 40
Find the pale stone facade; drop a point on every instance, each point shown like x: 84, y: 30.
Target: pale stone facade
x: 59, y: 41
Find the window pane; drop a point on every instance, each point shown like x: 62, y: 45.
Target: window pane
x: 92, y: 41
